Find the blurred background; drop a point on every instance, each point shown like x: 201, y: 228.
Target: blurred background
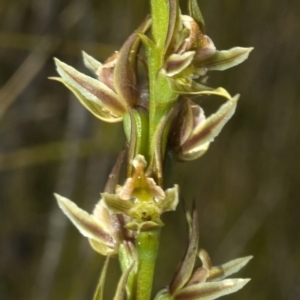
x: 246, y: 186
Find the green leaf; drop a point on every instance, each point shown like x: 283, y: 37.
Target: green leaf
x: 121, y: 289
x: 100, y: 287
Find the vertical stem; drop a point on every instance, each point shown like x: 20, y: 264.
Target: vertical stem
x: 161, y: 95
x: 147, y: 247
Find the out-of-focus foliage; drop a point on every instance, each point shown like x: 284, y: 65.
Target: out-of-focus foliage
x: 246, y: 186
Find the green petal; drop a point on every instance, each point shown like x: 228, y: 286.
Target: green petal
x: 171, y: 200
x: 228, y: 268
x: 91, y: 63
x: 210, y: 290
x: 223, y: 60
x: 92, y: 89
x: 116, y: 205
x: 87, y: 224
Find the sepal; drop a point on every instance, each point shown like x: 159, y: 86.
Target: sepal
x: 94, y: 229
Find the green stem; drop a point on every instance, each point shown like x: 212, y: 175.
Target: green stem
x: 147, y: 247
x: 161, y: 96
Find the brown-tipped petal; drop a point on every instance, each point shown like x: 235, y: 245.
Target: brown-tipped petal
x: 228, y: 268
x: 97, y: 109
x: 193, y: 153
x: 210, y: 290
x: 110, y: 222
x: 226, y: 59
x: 176, y: 63
x: 116, y: 205
x: 121, y: 289
x: 100, y: 287
x: 208, y: 130
x: 171, y: 199
x: 199, y: 275
x: 173, y: 12
x: 92, y: 89
x: 195, y: 13
x: 185, y: 270
x: 205, y: 259
x: 87, y: 224
x: 125, y: 69
x: 91, y: 63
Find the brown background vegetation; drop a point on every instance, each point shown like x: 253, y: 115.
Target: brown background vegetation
x: 246, y: 186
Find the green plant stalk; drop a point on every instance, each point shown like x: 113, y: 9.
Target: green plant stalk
x: 160, y: 93
x: 147, y: 248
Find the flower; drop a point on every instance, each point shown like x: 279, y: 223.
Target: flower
x: 115, y: 89
x: 141, y: 199
x: 205, y: 282
x: 192, y: 132
x: 101, y: 228
x: 190, y: 53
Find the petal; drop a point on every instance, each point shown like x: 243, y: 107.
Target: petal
x: 124, y: 73
x: 183, y: 87
x: 195, y: 13
x: 102, y: 248
x: 121, y: 289
x: 144, y: 226
x: 173, y: 15
x: 100, y: 287
x: 91, y: 63
x: 91, y: 89
x: 208, y: 130
x: 125, y: 69
x: 97, y: 109
x: 223, y: 60
x: 228, y: 268
x: 178, y: 62
x: 199, y: 276
x: 210, y: 290
x: 171, y: 199
x: 193, y: 153
x: 185, y: 270
x: 87, y: 224
x: 205, y: 259
x: 116, y: 205
x: 163, y: 295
